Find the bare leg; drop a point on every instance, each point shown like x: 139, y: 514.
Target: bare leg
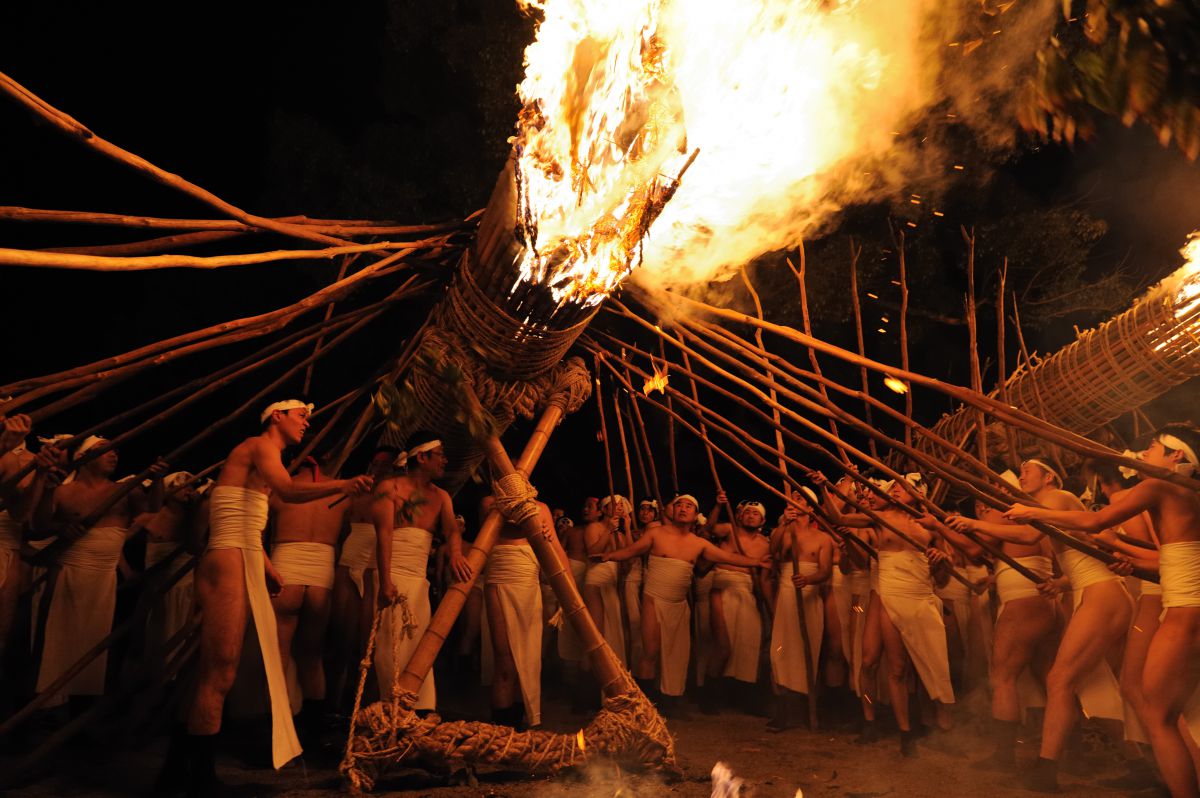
x: 898, y: 667
x: 221, y: 596
x: 872, y: 650
x: 836, y: 658
x: 1019, y: 632
x: 309, y: 641
x: 1169, y: 678
x: 505, y: 688
x: 287, y: 607
x: 345, y: 631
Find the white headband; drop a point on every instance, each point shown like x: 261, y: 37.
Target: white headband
x: 651, y: 502
x: 687, y: 496
x: 916, y: 481
x: 701, y: 519
x: 1171, y: 442
x: 172, y: 481
x: 402, y: 459
x: 284, y: 406
x: 54, y: 440
x: 1042, y: 464
x: 89, y: 443
x: 810, y: 493
x: 1012, y: 479
x: 754, y: 506
x: 621, y: 501
x: 1126, y: 471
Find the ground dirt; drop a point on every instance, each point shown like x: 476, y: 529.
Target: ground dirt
x: 824, y: 764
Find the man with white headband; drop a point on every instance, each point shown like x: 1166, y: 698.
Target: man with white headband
x: 907, y: 618
x: 354, y: 584
x: 303, y: 547
x: 601, y: 585
x: 734, y: 618
x: 233, y: 582
x: 804, y: 556
x: 82, y: 603
x: 673, y: 550
x: 179, y: 524
x: 1080, y: 675
x: 513, y: 604
x: 407, y: 512
x: 570, y: 648
x: 19, y: 496
x: 1169, y: 678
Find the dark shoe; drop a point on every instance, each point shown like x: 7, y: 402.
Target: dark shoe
x: 908, y: 744
x: 202, y: 770
x: 708, y: 699
x: 173, y: 777
x: 1140, y: 776
x: 869, y: 733
x: 782, y: 714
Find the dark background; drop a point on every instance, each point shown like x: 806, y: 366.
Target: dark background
x: 395, y: 109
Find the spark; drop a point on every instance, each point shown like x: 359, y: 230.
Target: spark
x: 896, y: 385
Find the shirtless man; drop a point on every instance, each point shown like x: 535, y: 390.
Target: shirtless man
x: 354, y: 583
x: 804, y: 556
x: 84, y: 597
x: 1170, y: 675
x: 407, y: 512
x: 1025, y: 632
x: 232, y: 584
x: 908, y: 616
x: 647, y: 514
x: 605, y: 534
x: 514, y: 611
x: 570, y: 649
x: 302, y: 552
x: 733, y: 608
x: 666, y: 633
x: 19, y: 498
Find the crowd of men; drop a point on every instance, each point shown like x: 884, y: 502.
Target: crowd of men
x: 855, y: 595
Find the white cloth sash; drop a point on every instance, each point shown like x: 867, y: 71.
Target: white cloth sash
x: 81, y: 611
x: 513, y: 574
x: 358, y: 553
x: 602, y: 576
x: 304, y: 563
x: 787, y: 643
x: 907, y: 596
x: 742, y: 622
x: 237, y: 518
x: 1082, y: 571
x: 396, y: 642
x: 1179, y: 569
x: 702, y: 634
x: 667, y: 582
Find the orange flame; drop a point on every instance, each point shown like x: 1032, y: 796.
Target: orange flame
x: 658, y: 382
x: 896, y: 385
x: 579, y: 740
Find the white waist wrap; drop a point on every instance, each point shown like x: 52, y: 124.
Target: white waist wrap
x: 668, y: 582
x: 304, y: 563
x: 1082, y: 570
x: 908, y: 599
x: 788, y: 662
x: 1179, y: 567
x: 742, y: 622
x: 513, y: 576
x: 402, y: 624
x: 602, y: 577
x: 358, y: 553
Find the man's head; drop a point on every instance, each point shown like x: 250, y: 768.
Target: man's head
x: 751, y: 514
x: 615, y: 507
x: 289, y: 417
x: 1175, y: 446
x: 684, y: 509
x: 381, y: 460
x: 425, y: 454
x: 180, y: 486
x: 647, y: 511
x: 590, y: 511
x: 563, y: 523
x: 105, y: 464
x: 905, y: 491
x: 1037, y: 474
x: 557, y: 513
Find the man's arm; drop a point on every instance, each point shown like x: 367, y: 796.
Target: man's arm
x: 269, y: 464
x: 458, y: 563
x: 716, y: 555
x: 961, y: 542
x: 1013, y: 533
x: 635, y: 549
x: 1140, y: 497
x: 382, y: 516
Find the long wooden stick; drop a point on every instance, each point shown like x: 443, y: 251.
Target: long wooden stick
x: 712, y: 463
x: 639, y: 455
x: 670, y: 431
x: 624, y: 446
x: 608, y: 471
x: 762, y: 348
x: 344, y: 263
x: 656, y: 491
x: 973, y: 337
x: 810, y: 667
x: 150, y: 246
x: 1001, y: 366
x: 855, y: 252
x: 1027, y: 360
x: 904, y: 364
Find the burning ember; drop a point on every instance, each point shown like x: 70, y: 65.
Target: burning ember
x: 899, y: 386
x: 1187, y: 294
x: 658, y: 382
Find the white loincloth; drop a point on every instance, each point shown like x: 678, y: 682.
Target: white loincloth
x: 358, y: 553
x: 1013, y: 586
x: 851, y: 617
x: 703, y: 631
x: 787, y: 643
x: 906, y: 595
x: 513, y: 574
x: 394, y: 643
x: 237, y: 518
x: 81, y: 611
x: 633, y: 609
x: 304, y: 563
x: 175, y: 609
x: 1099, y: 692
x: 602, y: 576
x: 742, y: 622
x: 1179, y: 575
x: 569, y: 646
x: 668, y: 582
x: 10, y: 544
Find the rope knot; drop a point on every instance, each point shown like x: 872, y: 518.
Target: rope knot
x: 515, y: 498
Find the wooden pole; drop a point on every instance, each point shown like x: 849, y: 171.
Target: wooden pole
x: 973, y: 335
x: 904, y: 364
x: 670, y: 430
x: 624, y: 445
x: 1014, y: 458
x: 767, y: 373
x: 608, y: 471
x: 810, y: 667
x: 1027, y: 361
x: 639, y: 455
x: 855, y: 252
x: 343, y: 264
x: 653, y: 469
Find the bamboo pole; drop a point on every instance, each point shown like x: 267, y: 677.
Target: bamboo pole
x: 712, y: 463
x: 344, y: 264
x: 904, y: 363
x: 855, y: 252
x: 758, y: 338
x: 150, y: 246
x: 1013, y: 415
x: 799, y: 274
x: 608, y: 471
x: 346, y: 227
x: 639, y: 455
x: 624, y: 446
x: 653, y: 469
x: 261, y: 324
x: 1027, y: 361
x: 39, y: 259
x: 810, y: 667
x: 973, y: 337
x: 670, y: 430
x: 1001, y: 366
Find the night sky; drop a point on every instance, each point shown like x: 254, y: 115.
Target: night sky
x: 401, y: 110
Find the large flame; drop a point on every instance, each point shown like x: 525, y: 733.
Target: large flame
x: 1187, y: 292
x: 794, y: 107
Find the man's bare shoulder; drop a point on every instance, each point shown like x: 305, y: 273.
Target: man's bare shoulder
x: 1062, y: 500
